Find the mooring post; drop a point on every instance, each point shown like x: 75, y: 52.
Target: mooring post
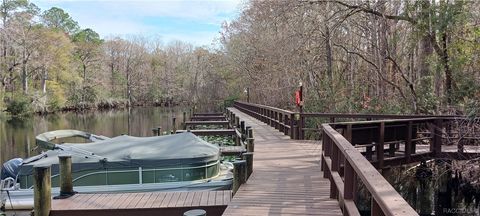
x: 174, y: 125
x: 184, y: 123
x: 250, y: 140
x: 42, y: 190
x: 248, y: 157
x: 242, y: 127
x: 238, y: 175
x: 66, y: 182
x: 237, y: 122
x: 237, y: 127
x: 155, y: 131
x: 232, y: 120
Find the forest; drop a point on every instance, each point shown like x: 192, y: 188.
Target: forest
x: 351, y: 57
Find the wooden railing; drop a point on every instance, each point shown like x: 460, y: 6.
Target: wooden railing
x: 283, y: 120
x: 337, y: 153
x: 342, y: 162
x: 294, y: 123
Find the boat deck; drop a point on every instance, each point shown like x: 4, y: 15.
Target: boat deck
x: 286, y: 178
x: 153, y: 203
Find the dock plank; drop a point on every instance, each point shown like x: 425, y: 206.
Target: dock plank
x: 286, y: 178
x: 153, y: 202
x: 211, y: 198
x: 166, y: 200
x: 189, y: 199
x: 219, y: 198
x: 158, y: 200
x: 196, y: 198
x: 204, y: 198
x: 174, y: 200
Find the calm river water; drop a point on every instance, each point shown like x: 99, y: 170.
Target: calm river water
x: 17, y: 136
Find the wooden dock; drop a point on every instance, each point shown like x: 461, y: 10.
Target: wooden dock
x: 286, y: 178
x: 153, y: 203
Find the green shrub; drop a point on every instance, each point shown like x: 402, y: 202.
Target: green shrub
x: 19, y: 106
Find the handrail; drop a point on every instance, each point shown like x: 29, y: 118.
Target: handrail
x: 338, y: 152
x: 266, y: 107
x: 383, y: 194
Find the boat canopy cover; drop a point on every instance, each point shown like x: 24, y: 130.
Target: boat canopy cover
x: 128, y: 151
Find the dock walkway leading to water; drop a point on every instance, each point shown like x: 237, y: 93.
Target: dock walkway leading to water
x: 286, y: 178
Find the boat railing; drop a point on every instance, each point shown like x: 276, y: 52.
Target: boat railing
x: 141, y: 171
x: 7, y: 184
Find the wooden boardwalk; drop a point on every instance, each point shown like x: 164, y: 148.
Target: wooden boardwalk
x: 286, y: 178
x: 153, y: 203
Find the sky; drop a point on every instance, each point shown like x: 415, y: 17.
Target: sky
x: 194, y: 21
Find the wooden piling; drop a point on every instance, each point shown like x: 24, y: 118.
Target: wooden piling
x: 184, y: 120
x: 66, y: 181
x: 174, y: 125
x: 237, y: 122
x: 232, y: 120
x: 238, y: 175
x: 242, y: 127
x: 250, y: 141
x: 237, y: 127
x: 42, y: 190
x: 248, y: 157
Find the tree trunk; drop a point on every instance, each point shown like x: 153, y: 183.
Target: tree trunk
x: 329, y: 54
x: 446, y: 66
x: 44, y: 81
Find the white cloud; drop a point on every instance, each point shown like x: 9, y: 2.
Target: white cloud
x: 126, y: 17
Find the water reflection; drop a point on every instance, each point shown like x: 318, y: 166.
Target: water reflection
x: 442, y: 192
x: 17, y: 136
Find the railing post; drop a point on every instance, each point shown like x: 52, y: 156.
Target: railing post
x: 349, y: 175
x: 280, y: 122
x: 277, y: 122
x: 335, y: 166
x: 408, y: 142
x: 238, y: 175
x: 376, y: 210
x: 300, y: 128
x: 66, y: 181
x: 437, y: 137
x: 248, y: 157
x: 332, y: 119
x: 292, y: 121
x: 42, y: 190
x: 380, y: 145
x: 348, y: 134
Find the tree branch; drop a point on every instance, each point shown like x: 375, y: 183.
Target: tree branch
x: 376, y: 13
